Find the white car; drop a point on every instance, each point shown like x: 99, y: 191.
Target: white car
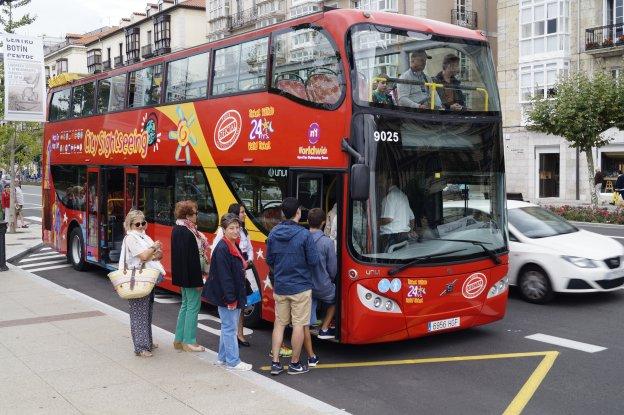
x: 548, y: 254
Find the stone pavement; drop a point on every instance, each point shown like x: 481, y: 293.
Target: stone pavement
x: 62, y: 352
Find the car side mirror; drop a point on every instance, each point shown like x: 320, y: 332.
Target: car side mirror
x: 359, y: 182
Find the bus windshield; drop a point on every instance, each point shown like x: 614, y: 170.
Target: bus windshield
x: 402, y: 68
x: 435, y: 188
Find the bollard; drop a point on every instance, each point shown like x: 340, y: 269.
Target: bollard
x: 3, y: 229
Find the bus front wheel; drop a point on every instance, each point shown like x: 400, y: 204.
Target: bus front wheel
x: 76, y: 251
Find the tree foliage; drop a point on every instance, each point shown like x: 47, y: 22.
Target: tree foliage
x: 582, y: 109
x: 9, y: 21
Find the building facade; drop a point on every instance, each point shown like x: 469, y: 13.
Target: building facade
x: 539, y: 41
x: 163, y: 27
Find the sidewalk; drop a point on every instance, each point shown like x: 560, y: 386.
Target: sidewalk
x: 62, y: 352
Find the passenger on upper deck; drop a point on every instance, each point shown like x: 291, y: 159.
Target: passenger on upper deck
x: 381, y: 95
x: 452, y: 97
x: 416, y: 95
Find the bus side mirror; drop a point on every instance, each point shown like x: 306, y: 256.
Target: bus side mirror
x: 359, y: 182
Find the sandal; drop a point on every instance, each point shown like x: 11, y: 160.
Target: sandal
x: 193, y: 348
x: 144, y: 353
x: 154, y: 346
x: 177, y: 345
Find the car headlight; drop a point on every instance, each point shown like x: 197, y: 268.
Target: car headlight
x: 498, y: 288
x: 580, y: 262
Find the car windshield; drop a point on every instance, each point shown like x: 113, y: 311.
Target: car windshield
x: 535, y: 222
x: 420, y: 71
x: 432, y: 184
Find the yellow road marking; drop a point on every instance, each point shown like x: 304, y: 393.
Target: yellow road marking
x: 515, y: 407
x: 530, y: 386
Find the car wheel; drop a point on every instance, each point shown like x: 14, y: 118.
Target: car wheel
x: 76, y: 251
x: 252, y: 315
x: 535, y: 286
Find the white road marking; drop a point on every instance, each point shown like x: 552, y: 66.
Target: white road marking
x: 216, y: 332
x: 26, y: 267
x: 33, y: 218
x: 47, y: 248
x: 43, y: 254
x: 571, y: 344
x: 167, y: 300
x: 43, y: 258
x: 50, y: 267
x: 32, y: 194
x: 32, y: 205
x: 615, y: 237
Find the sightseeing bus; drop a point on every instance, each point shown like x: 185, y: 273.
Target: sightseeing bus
x: 292, y: 110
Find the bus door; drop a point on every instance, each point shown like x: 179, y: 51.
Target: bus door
x: 113, y: 213
x: 93, y: 217
x: 131, y: 189
x: 309, y: 191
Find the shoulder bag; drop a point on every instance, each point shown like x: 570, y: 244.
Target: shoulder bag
x: 133, y: 283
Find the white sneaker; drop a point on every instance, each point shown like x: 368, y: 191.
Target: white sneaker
x: 219, y: 362
x: 240, y: 366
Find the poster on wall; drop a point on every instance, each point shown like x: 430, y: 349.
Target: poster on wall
x: 24, y: 78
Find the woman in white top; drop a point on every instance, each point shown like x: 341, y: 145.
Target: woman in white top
x: 244, y: 245
x: 138, y: 247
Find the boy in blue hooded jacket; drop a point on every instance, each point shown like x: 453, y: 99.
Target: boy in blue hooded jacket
x: 292, y: 255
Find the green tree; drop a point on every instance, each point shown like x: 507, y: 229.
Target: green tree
x: 8, y: 19
x: 582, y: 109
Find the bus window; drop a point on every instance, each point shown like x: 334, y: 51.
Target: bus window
x: 59, y: 107
x: 261, y: 191
x: 70, y: 183
x: 144, y: 87
x: 83, y: 100
x: 306, y: 65
x: 416, y: 70
x: 156, y: 194
x: 187, y: 78
x: 240, y: 67
x: 112, y: 93
x: 191, y: 184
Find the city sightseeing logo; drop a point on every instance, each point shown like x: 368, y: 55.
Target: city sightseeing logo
x: 110, y: 143
x: 313, y: 152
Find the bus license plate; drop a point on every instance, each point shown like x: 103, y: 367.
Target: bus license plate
x: 449, y: 323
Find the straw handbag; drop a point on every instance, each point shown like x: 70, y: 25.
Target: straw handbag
x: 133, y: 283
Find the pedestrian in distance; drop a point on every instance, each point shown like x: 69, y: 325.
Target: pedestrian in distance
x: 225, y: 288
x: 189, y: 250
x: 244, y: 245
x: 323, y: 276
x: 292, y: 255
x: 6, y: 201
x: 138, y: 248
x: 598, y: 179
x: 19, y: 205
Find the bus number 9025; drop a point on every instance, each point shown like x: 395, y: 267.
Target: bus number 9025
x: 386, y: 136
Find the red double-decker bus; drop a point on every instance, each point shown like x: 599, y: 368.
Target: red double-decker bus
x: 384, y: 119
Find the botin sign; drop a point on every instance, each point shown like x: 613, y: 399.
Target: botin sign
x: 227, y: 130
x: 474, y: 285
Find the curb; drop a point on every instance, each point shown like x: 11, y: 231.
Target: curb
x: 26, y: 252
x: 597, y: 224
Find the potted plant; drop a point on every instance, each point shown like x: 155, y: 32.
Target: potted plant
x: 608, y: 42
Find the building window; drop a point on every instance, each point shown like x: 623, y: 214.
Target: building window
x: 133, y: 44
x: 162, y: 34
x: 61, y: 66
x: 377, y: 5
x: 548, y: 174
x: 94, y: 60
x: 539, y: 79
x: 544, y: 26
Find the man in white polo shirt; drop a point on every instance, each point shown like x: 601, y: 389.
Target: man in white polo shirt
x: 397, y: 218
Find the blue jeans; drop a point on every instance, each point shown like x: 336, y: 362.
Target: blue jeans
x: 228, y: 343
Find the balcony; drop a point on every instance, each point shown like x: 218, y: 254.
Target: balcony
x: 95, y: 68
x: 243, y: 19
x: 464, y: 18
x: 119, y: 61
x: 605, y: 41
x: 147, y: 51
x: 271, y: 9
x: 106, y: 65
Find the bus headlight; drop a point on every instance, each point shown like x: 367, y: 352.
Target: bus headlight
x: 499, y: 287
x: 377, y: 302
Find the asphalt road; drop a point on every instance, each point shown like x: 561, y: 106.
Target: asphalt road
x: 32, y: 202
x: 579, y: 382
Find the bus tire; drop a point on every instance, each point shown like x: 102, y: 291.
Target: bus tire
x: 76, y: 250
x: 534, y: 285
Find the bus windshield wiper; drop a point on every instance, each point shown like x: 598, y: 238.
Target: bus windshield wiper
x: 487, y: 250
x: 420, y: 259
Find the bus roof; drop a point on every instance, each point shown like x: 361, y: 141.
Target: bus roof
x: 337, y: 19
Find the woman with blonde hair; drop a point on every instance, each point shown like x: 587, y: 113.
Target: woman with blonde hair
x: 189, y: 259
x: 138, y: 248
